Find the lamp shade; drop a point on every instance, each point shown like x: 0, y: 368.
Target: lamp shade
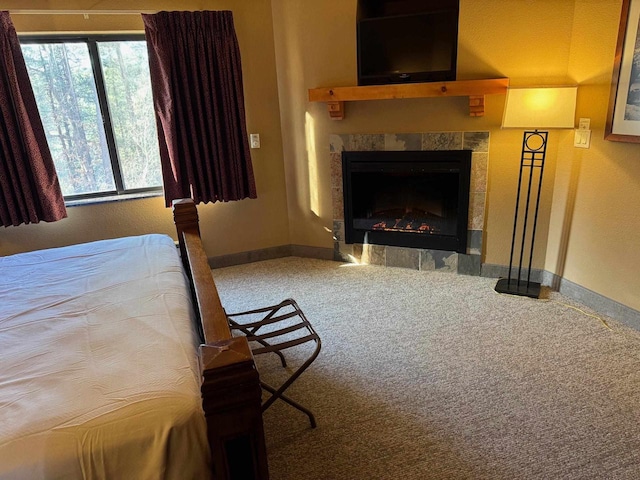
x: 543, y: 107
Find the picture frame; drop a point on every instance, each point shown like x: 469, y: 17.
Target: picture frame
x: 623, y: 115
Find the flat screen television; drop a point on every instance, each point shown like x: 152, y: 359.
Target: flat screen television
x: 418, y: 47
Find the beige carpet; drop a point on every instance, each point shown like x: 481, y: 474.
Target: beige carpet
x: 425, y: 375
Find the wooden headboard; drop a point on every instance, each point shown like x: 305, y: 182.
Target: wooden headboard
x: 231, y: 392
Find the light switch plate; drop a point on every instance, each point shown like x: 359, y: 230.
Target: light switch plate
x: 582, y: 138
x: 254, y: 140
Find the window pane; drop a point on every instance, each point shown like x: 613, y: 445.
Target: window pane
x: 65, y: 91
x: 126, y: 77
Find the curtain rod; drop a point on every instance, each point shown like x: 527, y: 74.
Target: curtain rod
x: 79, y: 12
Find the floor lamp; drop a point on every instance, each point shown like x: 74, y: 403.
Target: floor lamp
x: 536, y: 110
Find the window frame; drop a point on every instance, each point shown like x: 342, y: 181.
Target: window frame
x: 92, y: 40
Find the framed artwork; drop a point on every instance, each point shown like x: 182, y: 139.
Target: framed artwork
x: 623, y: 116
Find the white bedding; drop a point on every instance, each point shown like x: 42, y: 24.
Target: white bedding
x: 98, y: 366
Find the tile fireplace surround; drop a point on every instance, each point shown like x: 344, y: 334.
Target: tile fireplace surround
x: 415, y: 258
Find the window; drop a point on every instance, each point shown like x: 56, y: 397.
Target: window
x: 94, y: 98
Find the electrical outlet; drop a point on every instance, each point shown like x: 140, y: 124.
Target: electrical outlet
x: 254, y: 140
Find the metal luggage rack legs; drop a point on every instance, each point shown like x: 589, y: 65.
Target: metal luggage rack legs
x: 274, y: 338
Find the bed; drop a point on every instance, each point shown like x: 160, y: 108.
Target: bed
x: 116, y: 361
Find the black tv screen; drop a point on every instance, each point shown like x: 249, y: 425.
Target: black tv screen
x: 408, y: 48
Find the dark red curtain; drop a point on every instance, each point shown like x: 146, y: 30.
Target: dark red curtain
x: 196, y: 79
x: 29, y: 188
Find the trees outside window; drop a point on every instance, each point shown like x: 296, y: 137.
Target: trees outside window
x: 94, y: 97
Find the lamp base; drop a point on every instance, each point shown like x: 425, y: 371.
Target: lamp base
x: 518, y: 287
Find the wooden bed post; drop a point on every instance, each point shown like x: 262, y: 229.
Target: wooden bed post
x: 231, y: 399
x: 185, y: 217
x: 231, y: 392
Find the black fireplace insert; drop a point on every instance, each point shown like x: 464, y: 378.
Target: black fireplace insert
x: 417, y: 199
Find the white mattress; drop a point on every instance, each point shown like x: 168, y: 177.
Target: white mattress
x: 98, y: 366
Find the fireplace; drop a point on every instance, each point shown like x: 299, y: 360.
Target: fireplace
x: 416, y: 199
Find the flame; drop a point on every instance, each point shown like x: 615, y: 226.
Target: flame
x: 398, y: 227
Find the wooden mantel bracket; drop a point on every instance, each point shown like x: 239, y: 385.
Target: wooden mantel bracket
x: 474, y: 89
x: 336, y: 110
x: 476, y: 105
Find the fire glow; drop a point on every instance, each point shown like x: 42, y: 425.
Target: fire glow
x: 402, y: 225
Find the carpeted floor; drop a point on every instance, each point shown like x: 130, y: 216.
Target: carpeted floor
x: 425, y: 375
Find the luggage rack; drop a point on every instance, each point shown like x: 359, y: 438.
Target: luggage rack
x: 282, y: 326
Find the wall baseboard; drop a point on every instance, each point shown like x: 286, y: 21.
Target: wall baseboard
x: 305, y: 251
x: 599, y: 303
x: 589, y: 298
x: 250, y: 256
x: 270, y: 254
x: 502, y: 271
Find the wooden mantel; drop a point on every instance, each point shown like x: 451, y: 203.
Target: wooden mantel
x: 474, y: 89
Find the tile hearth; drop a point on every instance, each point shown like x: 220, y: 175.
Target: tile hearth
x: 414, y: 258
